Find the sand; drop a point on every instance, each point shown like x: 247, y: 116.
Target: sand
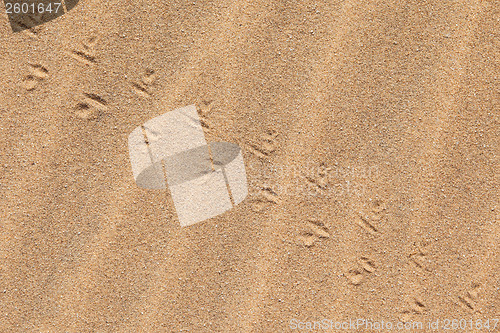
x: 369, y: 131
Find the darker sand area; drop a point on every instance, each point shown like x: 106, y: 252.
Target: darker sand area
x: 369, y: 131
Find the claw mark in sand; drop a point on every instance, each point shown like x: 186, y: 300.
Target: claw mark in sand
x: 37, y: 75
x: 319, y: 179
x: 314, y: 231
x: 469, y: 299
x: 28, y: 23
x: 91, y: 107
x: 265, y: 146
x: 405, y: 316
x: 357, y: 275
x: 85, y: 53
x: 368, y: 221
x: 203, y: 111
x: 265, y: 197
x: 367, y: 264
x: 83, y: 57
x: 464, y: 300
x: 419, y: 258
x: 417, y: 305
x: 365, y: 223
x: 39, y: 71
x: 143, y: 87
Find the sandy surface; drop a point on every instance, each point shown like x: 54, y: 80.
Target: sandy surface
x: 370, y: 135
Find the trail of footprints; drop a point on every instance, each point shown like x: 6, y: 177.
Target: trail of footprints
x: 368, y: 221
x: 38, y: 73
x: 203, y: 111
x: 92, y: 105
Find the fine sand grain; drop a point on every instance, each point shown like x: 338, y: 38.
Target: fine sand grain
x: 369, y: 131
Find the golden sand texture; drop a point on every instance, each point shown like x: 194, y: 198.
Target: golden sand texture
x: 369, y: 131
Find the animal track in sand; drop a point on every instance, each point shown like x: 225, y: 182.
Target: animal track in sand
x: 85, y: 52
x: 416, y: 307
x: 369, y: 220
x: 144, y: 85
x: 204, y: 110
x: 355, y: 276
x: 419, y: 257
x: 38, y: 73
x: 91, y: 107
x: 313, y: 231
x: 265, y: 145
x: 469, y: 298
x: 265, y: 197
x: 319, y: 178
x: 365, y: 267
